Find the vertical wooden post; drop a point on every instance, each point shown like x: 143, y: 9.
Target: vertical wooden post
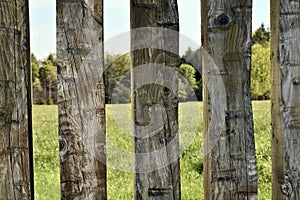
x: 230, y: 162
x: 16, y: 152
x: 81, y: 99
x: 155, y: 60
x: 285, y: 62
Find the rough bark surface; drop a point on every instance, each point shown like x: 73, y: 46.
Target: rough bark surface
x: 81, y: 99
x: 285, y: 57
x: 16, y: 161
x: 230, y: 162
x: 154, y: 82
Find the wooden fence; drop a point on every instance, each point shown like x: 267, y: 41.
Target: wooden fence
x: 230, y: 161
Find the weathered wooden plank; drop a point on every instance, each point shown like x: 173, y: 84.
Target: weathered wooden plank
x: 81, y: 99
x: 154, y: 82
x: 230, y: 162
x: 16, y: 153
x: 285, y: 51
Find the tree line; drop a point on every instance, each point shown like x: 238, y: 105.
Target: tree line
x: 117, y: 74
x: 44, y: 80
x: 260, y: 72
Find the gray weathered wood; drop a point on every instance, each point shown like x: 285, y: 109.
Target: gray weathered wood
x: 16, y: 161
x: 285, y: 59
x: 155, y: 102
x: 230, y: 162
x: 81, y: 99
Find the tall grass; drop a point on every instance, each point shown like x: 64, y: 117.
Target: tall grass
x: 46, y: 152
x: 119, y: 171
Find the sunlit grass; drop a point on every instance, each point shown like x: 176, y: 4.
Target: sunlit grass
x: 119, y: 130
x: 46, y: 152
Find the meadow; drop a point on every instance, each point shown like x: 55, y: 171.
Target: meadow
x: 119, y: 171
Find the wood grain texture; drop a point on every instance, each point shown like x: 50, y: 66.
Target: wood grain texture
x: 81, y: 99
x: 230, y: 161
x: 16, y: 161
x: 285, y: 57
x: 155, y: 101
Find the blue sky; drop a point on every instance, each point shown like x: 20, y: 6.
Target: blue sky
x: 116, y: 21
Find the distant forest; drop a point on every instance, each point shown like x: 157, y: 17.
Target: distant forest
x: 117, y: 74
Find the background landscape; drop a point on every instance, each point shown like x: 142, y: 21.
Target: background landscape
x: 120, y: 184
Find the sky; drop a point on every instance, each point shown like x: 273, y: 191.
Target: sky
x: 117, y: 24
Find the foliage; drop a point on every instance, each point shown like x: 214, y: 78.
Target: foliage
x: 263, y: 134
x: 261, y: 35
x: 52, y: 59
x: 260, y: 72
x: 187, y: 83
x: 189, y: 72
x: 194, y: 59
x: 35, y: 71
x: 120, y: 184
x: 33, y: 59
x: 44, y: 80
x: 117, y: 78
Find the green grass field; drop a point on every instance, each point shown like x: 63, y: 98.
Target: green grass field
x: 120, y: 183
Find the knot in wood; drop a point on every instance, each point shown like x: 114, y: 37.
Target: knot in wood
x: 58, y: 65
x: 222, y: 20
x: 62, y: 145
x: 166, y: 92
x: 287, y: 189
x: 175, y: 103
x: 100, y: 112
x: 2, y: 114
x: 296, y: 81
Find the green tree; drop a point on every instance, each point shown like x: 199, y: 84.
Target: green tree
x: 261, y: 35
x: 48, y: 80
x: 189, y: 72
x: 260, y: 73
x: 33, y: 58
x: 188, y: 55
x: 194, y: 59
x: 37, y: 89
x: 34, y: 71
x: 187, y: 84
x: 36, y: 83
x: 117, y: 78
x: 52, y: 58
x: 44, y: 79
